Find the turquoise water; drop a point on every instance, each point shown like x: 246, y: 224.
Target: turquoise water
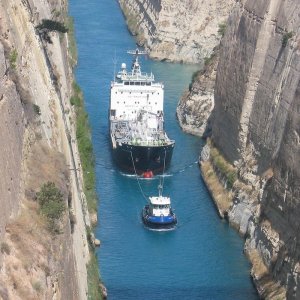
x: 202, y: 258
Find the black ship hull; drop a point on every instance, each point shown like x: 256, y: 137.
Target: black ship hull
x: 139, y: 159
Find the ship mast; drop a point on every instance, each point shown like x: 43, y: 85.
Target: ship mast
x: 135, y: 67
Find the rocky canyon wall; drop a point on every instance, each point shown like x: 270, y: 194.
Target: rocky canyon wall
x: 196, y: 104
x: 181, y: 31
x: 256, y: 125
x: 12, y: 126
x: 38, y: 144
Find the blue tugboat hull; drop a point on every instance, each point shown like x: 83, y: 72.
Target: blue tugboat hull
x: 158, y: 222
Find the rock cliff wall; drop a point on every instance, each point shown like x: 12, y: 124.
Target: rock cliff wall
x: 12, y: 127
x: 38, y: 144
x: 182, y: 31
x: 196, y: 104
x: 255, y: 124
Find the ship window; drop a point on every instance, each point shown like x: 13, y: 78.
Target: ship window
x: 117, y: 102
x: 116, y: 92
x: 126, y: 83
x: 124, y: 102
x: 131, y: 83
x: 148, y: 83
x: 155, y: 103
x: 121, y: 92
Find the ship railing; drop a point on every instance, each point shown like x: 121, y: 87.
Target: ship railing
x: 140, y: 77
x: 158, y: 143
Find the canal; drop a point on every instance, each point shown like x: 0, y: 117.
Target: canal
x: 203, y: 258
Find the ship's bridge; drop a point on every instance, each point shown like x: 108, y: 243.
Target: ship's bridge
x: 133, y: 91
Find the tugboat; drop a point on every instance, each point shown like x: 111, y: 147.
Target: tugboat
x: 140, y: 144
x: 158, y: 214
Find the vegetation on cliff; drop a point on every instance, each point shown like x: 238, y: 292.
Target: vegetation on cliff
x: 72, y: 42
x: 220, y: 177
x: 47, y: 26
x: 52, y: 205
x: 13, y: 58
x: 223, y: 166
x: 94, y: 282
x: 85, y: 148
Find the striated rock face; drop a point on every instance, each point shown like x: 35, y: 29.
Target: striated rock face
x: 12, y: 126
x: 256, y: 125
x: 195, y: 106
x: 175, y: 30
x: 38, y: 144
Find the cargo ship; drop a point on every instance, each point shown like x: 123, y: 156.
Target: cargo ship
x: 140, y: 144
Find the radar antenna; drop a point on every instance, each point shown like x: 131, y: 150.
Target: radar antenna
x: 135, y: 68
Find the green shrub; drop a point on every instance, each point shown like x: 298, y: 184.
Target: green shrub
x: 50, y: 25
x: 13, y: 58
x: 36, y: 109
x: 222, y: 29
x: 231, y: 178
x: 75, y: 101
x: 286, y: 37
x: 52, y: 204
x: 194, y: 77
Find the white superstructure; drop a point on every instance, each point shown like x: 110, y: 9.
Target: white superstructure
x: 134, y: 91
x: 136, y: 107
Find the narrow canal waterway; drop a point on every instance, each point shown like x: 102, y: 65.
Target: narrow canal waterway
x: 202, y: 258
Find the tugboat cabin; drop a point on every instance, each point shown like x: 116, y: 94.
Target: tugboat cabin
x: 159, y: 206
